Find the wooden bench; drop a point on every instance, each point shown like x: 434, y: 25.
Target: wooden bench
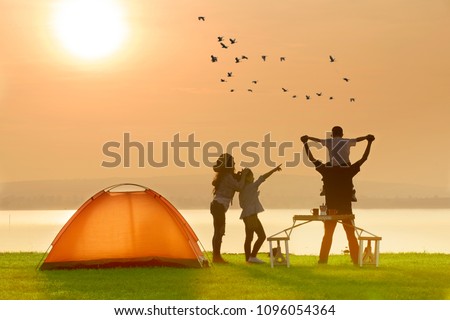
x: 365, y: 255
x: 276, y: 255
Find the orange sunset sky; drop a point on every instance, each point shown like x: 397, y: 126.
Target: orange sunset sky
x: 61, y: 100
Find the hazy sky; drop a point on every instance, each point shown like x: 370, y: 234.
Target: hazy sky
x: 58, y: 108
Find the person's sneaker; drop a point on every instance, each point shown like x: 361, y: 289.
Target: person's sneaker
x: 254, y: 260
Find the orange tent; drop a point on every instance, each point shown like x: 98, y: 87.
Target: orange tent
x: 123, y: 229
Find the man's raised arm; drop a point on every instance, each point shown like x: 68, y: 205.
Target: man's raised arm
x: 304, y: 139
x: 370, y: 139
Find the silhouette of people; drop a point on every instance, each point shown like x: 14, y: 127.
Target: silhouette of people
x: 338, y: 149
x: 251, y: 206
x: 338, y: 182
x: 225, y: 184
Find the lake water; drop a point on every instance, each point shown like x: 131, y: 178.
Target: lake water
x: 403, y: 230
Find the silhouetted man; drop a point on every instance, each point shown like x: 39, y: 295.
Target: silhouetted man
x: 338, y: 185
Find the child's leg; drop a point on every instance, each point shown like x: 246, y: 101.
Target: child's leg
x: 259, y: 230
x: 248, y: 237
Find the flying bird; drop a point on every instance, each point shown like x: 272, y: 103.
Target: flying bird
x: 294, y: 96
x: 346, y: 79
x: 352, y: 99
x: 220, y: 38
x: 332, y: 59
x: 232, y: 90
x: 232, y: 41
x: 229, y: 74
x: 249, y: 90
x: 213, y: 58
x: 223, y: 80
x: 331, y: 98
x: 319, y: 94
x: 282, y: 59
x: 223, y: 45
x: 244, y: 57
x: 237, y: 60
x: 201, y: 18
x: 264, y: 58
x: 284, y: 89
x: 308, y: 97
x: 255, y: 81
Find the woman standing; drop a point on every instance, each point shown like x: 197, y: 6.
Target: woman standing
x: 225, y: 184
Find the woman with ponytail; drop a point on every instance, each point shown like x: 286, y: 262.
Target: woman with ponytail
x: 225, y: 183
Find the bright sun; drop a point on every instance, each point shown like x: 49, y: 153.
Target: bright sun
x: 90, y: 29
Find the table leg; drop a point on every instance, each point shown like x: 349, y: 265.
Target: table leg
x: 360, y: 254
x: 271, y: 254
x: 286, y: 243
x: 377, y: 252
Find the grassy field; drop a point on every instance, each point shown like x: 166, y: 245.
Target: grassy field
x: 399, y: 277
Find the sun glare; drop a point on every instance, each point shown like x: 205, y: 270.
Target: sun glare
x: 90, y: 29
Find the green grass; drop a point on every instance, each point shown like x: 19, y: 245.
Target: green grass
x: 405, y: 276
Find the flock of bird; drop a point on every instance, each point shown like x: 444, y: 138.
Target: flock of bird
x: 227, y: 43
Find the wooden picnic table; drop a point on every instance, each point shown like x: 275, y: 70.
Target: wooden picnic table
x: 364, y: 257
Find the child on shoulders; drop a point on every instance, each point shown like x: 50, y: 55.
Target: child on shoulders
x: 338, y: 150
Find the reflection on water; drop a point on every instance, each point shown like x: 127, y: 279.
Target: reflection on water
x: 403, y: 230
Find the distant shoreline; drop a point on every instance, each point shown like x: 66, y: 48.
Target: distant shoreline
x: 194, y: 192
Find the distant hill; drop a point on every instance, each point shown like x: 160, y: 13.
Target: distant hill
x: 195, y: 192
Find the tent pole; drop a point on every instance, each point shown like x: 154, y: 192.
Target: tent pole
x: 206, y: 254
x: 43, y: 256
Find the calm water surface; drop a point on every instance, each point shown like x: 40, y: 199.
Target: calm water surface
x: 403, y: 230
